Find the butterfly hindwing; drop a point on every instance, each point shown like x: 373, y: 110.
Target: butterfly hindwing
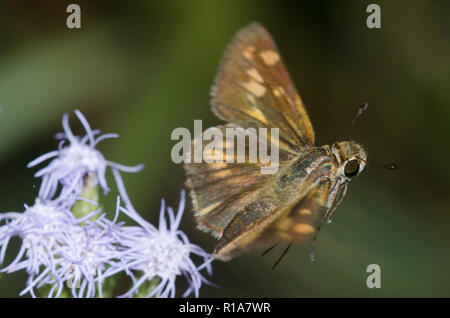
x: 304, y: 219
x: 254, y: 89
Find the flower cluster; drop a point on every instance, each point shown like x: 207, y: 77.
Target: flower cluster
x: 72, y: 163
x: 71, y: 251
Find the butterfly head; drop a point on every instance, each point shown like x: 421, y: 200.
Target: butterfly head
x: 351, y: 158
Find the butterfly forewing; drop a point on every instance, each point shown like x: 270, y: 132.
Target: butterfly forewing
x: 254, y: 89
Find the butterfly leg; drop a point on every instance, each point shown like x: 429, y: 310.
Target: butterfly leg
x: 344, y: 193
x: 314, y: 240
x: 269, y: 249
x: 282, y: 255
x: 325, y: 217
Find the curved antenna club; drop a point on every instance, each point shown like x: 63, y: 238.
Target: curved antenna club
x: 361, y: 110
x: 390, y: 166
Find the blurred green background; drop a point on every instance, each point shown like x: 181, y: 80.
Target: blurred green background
x: 143, y: 68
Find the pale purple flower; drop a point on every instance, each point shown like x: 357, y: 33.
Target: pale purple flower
x: 40, y: 227
x: 72, y: 162
x: 163, y: 253
x: 58, y: 250
x: 84, y: 255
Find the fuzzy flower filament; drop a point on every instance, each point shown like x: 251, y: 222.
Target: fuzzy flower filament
x: 72, y: 162
x: 161, y: 254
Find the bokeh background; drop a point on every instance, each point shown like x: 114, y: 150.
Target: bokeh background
x: 143, y: 68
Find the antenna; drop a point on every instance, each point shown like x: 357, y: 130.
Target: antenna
x: 361, y: 110
x: 391, y: 166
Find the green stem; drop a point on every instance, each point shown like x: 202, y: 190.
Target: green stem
x: 82, y: 208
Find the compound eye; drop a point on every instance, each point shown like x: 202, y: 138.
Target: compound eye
x: 351, y: 168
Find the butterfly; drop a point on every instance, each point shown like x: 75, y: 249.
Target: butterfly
x: 238, y: 204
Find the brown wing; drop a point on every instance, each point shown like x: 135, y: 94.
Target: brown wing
x: 302, y: 221
x: 254, y: 89
x: 294, y: 225
x: 219, y: 190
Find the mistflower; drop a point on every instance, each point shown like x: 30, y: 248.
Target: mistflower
x: 162, y: 253
x: 40, y: 227
x: 70, y: 247
x: 58, y: 250
x: 74, y: 161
